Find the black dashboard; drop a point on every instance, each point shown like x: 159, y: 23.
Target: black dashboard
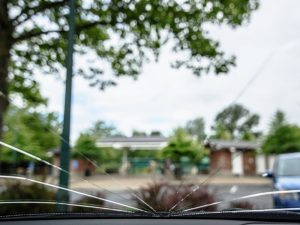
x: 136, y: 221
x: 220, y: 218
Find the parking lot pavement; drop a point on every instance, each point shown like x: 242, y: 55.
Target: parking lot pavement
x: 119, y: 183
x: 226, y: 188
x: 228, y: 192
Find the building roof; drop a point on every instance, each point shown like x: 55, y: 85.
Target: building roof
x: 133, y: 143
x: 232, y: 144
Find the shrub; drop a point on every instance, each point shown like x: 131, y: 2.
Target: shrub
x: 242, y: 205
x: 163, y: 196
x: 89, y: 201
x: 16, y: 191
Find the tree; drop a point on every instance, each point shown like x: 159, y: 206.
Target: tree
x: 32, y: 131
x: 86, y: 144
x: 180, y: 145
x: 196, y: 128
x: 156, y: 133
x: 121, y: 33
x: 282, y: 136
x: 236, y: 122
x: 137, y: 133
x: 221, y: 132
x: 284, y: 139
x: 102, y: 129
x: 278, y: 121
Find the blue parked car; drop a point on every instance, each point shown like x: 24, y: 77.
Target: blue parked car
x: 286, y: 176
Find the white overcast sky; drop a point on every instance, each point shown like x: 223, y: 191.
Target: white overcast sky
x: 163, y: 98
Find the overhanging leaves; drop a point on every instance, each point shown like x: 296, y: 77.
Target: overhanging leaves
x: 123, y: 33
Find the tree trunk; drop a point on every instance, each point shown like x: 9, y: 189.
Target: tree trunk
x: 5, y: 45
x: 3, y: 88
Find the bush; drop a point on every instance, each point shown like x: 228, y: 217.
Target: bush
x: 163, y: 196
x: 242, y: 205
x: 89, y: 201
x: 16, y: 191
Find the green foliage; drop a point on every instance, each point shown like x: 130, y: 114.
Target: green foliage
x: 196, y: 128
x: 282, y: 136
x: 122, y: 33
x: 277, y: 121
x: 220, y: 132
x: 102, y: 129
x: 156, y: 133
x: 28, y: 90
x: 110, y: 156
x: 32, y: 131
x: 284, y: 139
x: 235, y: 122
x: 86, y: 144
x: 182, y: 145
x: 137, y: 133
x: 22, y: 192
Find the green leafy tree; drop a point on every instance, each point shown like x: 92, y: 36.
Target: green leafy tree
x: 282, y: 136
x: 182, y: 145
x: 86, y: 144
x: 156, y: 133
x: 102, y: 129
x: 236, y: 122
x: 124, y: 34
x: 86, y: 148
x: 278, y: 121
x: 220, y: 132
x: 196, y: 128
x: 284, y: 139
x: 32, y: 131
x: 137, y: 133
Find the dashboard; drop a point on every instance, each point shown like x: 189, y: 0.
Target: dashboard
x: 137, y: 221
x: 192, y: 218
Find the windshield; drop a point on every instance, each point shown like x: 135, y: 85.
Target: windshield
x: 289, y: 167
x: 147, y: 106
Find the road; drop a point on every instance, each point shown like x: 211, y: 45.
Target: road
x: 228, y: 192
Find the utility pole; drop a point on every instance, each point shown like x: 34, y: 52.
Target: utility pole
x: 63, y: 196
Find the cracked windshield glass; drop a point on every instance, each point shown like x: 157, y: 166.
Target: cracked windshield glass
x: 149, y: 106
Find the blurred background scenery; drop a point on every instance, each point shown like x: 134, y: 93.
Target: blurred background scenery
x: 164, y: 105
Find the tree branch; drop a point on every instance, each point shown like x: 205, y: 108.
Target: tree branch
x: 29, y: 12
x: 79, y: 28
x: 86, y: 26
x: 31, y: 34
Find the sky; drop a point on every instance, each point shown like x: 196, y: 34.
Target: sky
x: 267, y: 50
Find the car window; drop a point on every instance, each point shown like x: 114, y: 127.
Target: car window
x: 289, y: 167
x: 149, y: 107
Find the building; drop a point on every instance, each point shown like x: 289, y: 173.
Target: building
x: 125, y: 144
x: 234, y: 157
x: 134, y: 143
x: 82, y: 167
